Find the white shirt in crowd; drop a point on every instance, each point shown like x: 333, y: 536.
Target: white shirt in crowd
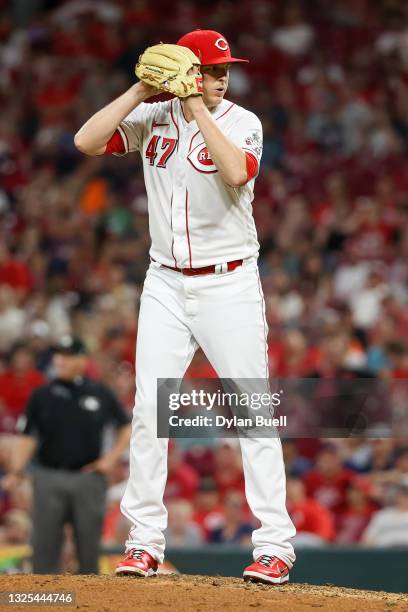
x: 388, y: 527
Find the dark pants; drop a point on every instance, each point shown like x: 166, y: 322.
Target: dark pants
x: 67, y: 497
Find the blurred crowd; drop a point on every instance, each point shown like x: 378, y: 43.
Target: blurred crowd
x: 339, y: 491
x: 329, y: 81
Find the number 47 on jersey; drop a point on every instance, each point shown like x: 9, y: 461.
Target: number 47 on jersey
x: 159, y: 144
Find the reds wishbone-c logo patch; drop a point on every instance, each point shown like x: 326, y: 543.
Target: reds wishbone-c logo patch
x: 200, y: 159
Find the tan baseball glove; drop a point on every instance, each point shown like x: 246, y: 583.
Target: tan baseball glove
x: 166, y: 67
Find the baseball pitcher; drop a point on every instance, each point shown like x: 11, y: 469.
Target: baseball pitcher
x: 201, y: 155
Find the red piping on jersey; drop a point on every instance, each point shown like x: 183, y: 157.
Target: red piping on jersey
x: 198, y: 131
x: 171, y: 201
x: 171, y: 225
x: 182, y: 111
x: 175, y: 124
x: 265, y: 326
x: 188, y: 233
x: 191, y: 141
x: 225, y: 112
x: 199, y: 144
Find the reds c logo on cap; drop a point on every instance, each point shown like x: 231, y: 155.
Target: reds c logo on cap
x: 221, y: 43
x: 209, y: 46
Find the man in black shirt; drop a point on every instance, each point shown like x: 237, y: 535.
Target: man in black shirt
x: 64, y: 423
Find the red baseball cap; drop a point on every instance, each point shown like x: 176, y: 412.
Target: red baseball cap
x: 209, y: 46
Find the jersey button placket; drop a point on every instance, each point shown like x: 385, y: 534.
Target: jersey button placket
x: 180, y: 248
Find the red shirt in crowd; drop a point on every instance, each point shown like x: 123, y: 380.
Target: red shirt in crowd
x: 182, y: 483
x: 311, y: 517
x: 282, y: 363
x: 110, y: 523
x: 352, y: 523
x: 373, y: 239
x: 209, y: 520
x: 201, y: 459
x: 16, y: 389
x: 329, y: 492
x: 16, y: 274
x: 229, y: 480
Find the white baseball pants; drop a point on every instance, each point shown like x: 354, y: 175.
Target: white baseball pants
x: 224, y: 314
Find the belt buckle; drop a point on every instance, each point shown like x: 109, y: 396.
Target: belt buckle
x: 221, y: 268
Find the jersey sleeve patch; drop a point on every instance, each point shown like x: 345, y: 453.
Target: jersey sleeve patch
x: 253, y: 142
x: 246, y: 132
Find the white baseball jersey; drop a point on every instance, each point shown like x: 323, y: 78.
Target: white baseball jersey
x: 195, y: 218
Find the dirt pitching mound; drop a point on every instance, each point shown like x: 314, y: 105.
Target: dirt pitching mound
x: 195, y: 593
